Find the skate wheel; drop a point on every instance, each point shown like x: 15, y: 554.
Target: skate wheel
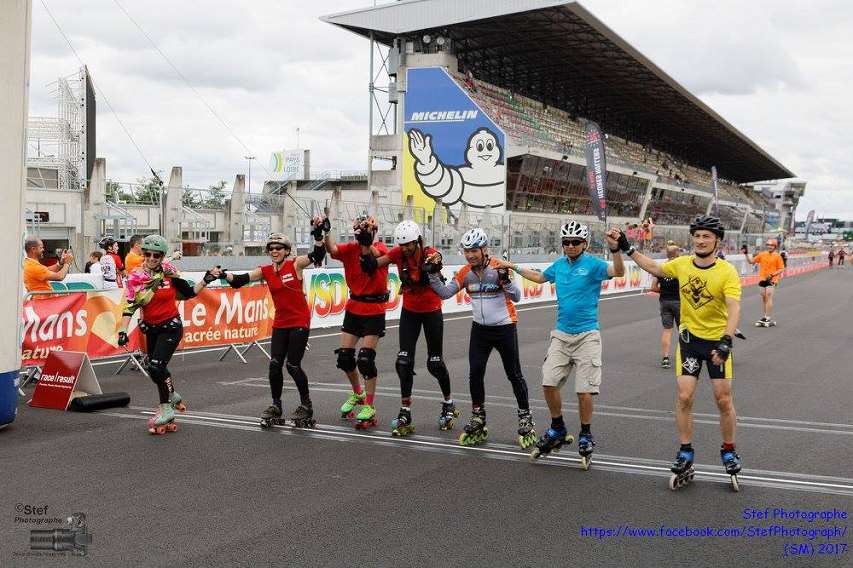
x: 534, y: 455
x: 585, y: 461
x: 181, y: 407
x: 172, y: 427
x: 673, y: 482
x: 735, y: 484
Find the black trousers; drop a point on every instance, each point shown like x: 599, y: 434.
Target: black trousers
x: 288, y: 347
x: 503, y: 338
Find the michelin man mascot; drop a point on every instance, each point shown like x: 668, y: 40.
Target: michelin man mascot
x: 479, y: 183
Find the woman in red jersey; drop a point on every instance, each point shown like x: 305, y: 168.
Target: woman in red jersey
x: 291, y: 325
x: 421, y: 308
x: 364, y: 317
x: 155, y: 288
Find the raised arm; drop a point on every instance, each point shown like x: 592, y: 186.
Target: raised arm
x: 618, y: 267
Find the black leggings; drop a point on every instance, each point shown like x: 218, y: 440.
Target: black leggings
x: 504, y: 338
x: 161, y: 341
x: 410, y: 331
x: 288, y: 345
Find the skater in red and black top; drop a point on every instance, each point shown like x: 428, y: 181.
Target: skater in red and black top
x: 155, y: 288
x: 364, y: 316
x: 291, y: 325
x: 421, y: 308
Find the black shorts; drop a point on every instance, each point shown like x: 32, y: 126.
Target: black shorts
x: 692, y: 352
x: 670, y: 311
x: 362, y: 326
x: 766, y: 284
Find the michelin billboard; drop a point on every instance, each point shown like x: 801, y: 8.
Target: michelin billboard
x: 451, y: 149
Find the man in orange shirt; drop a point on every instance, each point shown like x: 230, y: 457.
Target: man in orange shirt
x: 134, y: 257
x: 770, y: 268
x: 37, y: 276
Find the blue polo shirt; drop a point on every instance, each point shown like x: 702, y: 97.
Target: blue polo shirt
x: 578, y: 290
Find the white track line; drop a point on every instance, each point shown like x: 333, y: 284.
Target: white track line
x: 776, y: 480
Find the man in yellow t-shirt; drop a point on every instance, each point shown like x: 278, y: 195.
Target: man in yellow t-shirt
x: 37, y: 277
x: 710, y: 308
x: 771, y: 265
x: 134, y: 258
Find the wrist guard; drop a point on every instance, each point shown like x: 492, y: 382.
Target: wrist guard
x: 239, y: 280
x: 623, y: 244
x: 317, y: 255
x: 724, y: 347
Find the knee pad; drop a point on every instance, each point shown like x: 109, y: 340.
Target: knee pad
x: 405, y: 366
x: 346, y: 359
x: 367, y: 362
x: 294, y: 370
x: 157, y: 371
x: 436, y: 367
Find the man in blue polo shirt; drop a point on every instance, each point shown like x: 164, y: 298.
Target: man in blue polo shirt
x: 576, y: 342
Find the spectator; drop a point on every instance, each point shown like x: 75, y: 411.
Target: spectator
x: 37, y: 276
x: 95, y: 269
x: 94, y: 258
x: 134, y: 255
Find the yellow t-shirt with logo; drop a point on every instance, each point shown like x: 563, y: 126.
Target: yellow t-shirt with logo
x: 703, y: 293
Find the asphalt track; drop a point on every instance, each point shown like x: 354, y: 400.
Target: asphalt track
x: 222, y: 492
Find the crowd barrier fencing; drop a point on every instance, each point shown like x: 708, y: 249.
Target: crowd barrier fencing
x: 240, y: 319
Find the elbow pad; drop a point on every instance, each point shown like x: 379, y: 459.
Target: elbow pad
x: 317, y: 255
x: 239, y: 280
x: 368, y: 263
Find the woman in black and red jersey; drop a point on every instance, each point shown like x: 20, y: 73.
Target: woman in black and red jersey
x: 364, y: 316
x: 291, y: 325
x: 155, y: 288
x: 421, y: 308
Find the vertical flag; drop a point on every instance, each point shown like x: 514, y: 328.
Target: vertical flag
x: 716, y: 191
x: 809, y: 221
x: 596, y: 169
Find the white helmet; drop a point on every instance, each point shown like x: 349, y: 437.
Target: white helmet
x: 406, y: 232
x: 475, y: 238
x: 576, y: 230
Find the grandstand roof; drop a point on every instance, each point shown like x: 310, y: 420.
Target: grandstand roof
x: 559, y: 53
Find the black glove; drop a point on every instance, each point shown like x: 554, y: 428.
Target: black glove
x: 724, y: 347
x: 503, y: 276
x: 622, y: 243
x: 432, y: 267
x: 319, y: 230
x: 368, y: 263
x: 317, y: 255
x: 122, y: 339
x: 208, y: 277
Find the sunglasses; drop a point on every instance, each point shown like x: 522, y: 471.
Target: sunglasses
x: 275, y: 248
x: 573, y: 243
x: 150, y: 254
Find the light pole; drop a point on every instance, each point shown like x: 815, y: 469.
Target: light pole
x: 249, y: 176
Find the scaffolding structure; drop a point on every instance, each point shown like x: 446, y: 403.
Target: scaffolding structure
x: 58, y: 143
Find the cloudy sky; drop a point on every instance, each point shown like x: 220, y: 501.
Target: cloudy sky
x: 778, y: 71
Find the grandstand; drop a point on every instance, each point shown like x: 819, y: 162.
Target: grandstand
x: 540, y: 69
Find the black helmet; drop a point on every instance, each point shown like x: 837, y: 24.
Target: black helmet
x: 106, y: 242
x: 707, y: 223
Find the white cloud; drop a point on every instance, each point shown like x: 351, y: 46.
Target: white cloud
x: 778, y: 71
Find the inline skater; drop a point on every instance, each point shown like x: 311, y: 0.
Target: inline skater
x: 421, y: 309
x: 670, y: 307
x: 155, y: 288
x: 710, y: 309
x: 770, y: 268
x: 841, y: 254
x: 492, y: 294
x: 109, y: 266
x: 576, y: 342
x: 831, y: 256
x: 364, y: 317
x: 291, y: 325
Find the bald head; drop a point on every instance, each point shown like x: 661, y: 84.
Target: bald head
x: 672, y: 252
x: 32, y: 247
